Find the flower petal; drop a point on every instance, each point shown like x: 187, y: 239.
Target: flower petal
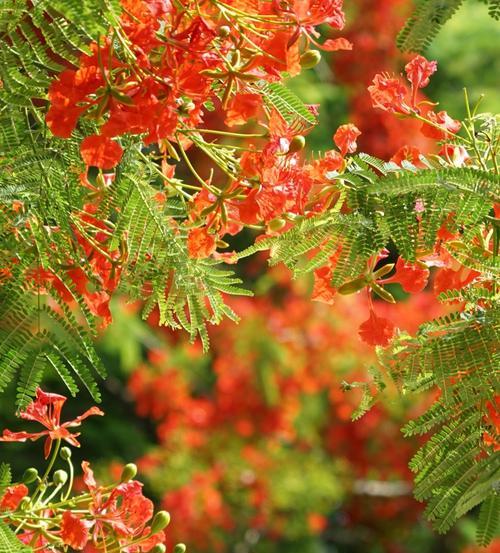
x: 74, y: 531
x: 100, y: 151
x: 376, y: 331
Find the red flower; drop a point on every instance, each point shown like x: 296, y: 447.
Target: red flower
x: 200, y: 243
x: 413, y: 277
x: 74, y: 530
x: 331, y: 163
x: 317, y: 522
x: 345, y: 138
x: 323, y: 290
x: 46, y: 409
x: 242, y: 108
x: 449, y: 279
x: 418, y: 71
x: 12, y: 497
x: 62, y: 121
x: 100, y: 151
x: 408, y: 153
x: 126, y: 509
x: 376, y: 331
x: 388, y: 93
x: 316, y: 12
x: 445, y: 126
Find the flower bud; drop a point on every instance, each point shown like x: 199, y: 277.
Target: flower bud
x: 382, y: 292
x: 180, y: 548
x: 30, y: 475
x: 60, y: 477
x: 160, y: 521
x: 385, y: 270
x: 129, y: 471
x: 224, y: 31
x: 65, y: 453
x: 310, y: 59
x: 296, y: 144
x: 276, y: 224
x: 159, y: 548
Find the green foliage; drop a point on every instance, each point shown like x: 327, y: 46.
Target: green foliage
x: 35, y: 338
x: 39, y: 333
x: 467, y: 55
x: 157, y: 254
x: 41, y: 39
x: 288, y: 104
x: 489, y: 519
x: 427, y: 20
x: 458, y: 354
x: 5, y: 477
x: 9, y: 542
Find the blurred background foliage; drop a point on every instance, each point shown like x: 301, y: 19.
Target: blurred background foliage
x: 251, y: 447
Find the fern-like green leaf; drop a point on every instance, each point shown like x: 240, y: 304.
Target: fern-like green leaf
x: 288, y: 104
x: 5, y: 477
x: 424, y: 24
x: 9, y: 542
x: 489, y: 520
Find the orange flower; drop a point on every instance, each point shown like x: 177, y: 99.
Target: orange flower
x: 418, y: 71
x: 200, y: 243
x: 345, y: 138
x: 446, y: 126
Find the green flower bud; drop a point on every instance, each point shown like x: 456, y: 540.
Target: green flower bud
x: 222, y: 244
x: 276, y: 224
x: 296, y: 144
x: 60, y: 477
x: 310, y: 59
x: 30, y: 475
x: 129, y: 471
x: 385, y: 270
x: 224, y: 31
x: 65, y: 453
x: 159, y: 548
x: 382, y: 292
x: 160, y: 521
x: 180, y: 548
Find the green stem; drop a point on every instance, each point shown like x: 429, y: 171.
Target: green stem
x: 55, y: 452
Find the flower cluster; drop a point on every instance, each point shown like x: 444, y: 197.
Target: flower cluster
x: 50, y: 517
x: 160, y: 75
x: 372, y: 28
x: 174, y: 59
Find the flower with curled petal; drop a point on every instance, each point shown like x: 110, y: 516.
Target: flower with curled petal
x: 418, y: 71
x: 46, y: 409
x: 345, y: 138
